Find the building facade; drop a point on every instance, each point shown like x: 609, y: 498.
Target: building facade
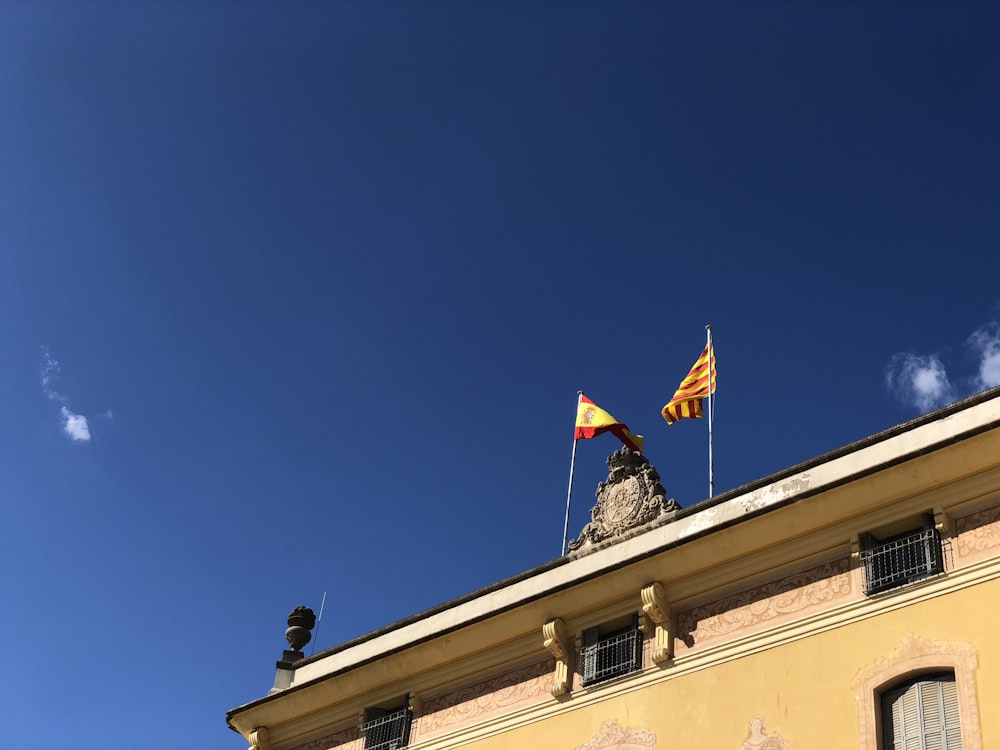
x: 848, y: 602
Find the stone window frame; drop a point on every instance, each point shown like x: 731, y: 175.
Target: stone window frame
x: 916, y: 656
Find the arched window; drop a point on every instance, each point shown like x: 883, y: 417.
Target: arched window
x: 922, y: 714
x: 917, y: 660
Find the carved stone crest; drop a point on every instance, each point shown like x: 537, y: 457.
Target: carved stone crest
x: 613, y: 736
x: 630, y: 497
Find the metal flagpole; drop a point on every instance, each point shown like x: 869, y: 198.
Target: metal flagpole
x: 572, y: 465
x: 711, y: 357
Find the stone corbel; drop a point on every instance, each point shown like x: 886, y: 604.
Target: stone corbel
x: 557, y: 642
x: 940, y: 519
x: 655, y: 610
x: 855, y: 546
x: 259, y: 739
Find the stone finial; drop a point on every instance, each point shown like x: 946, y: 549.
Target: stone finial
x: 300, y: 621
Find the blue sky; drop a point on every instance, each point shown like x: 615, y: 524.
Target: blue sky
x: 297, y: 297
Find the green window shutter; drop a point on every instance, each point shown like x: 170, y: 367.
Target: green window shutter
x: 922, y: 715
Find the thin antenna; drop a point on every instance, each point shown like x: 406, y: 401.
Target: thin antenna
x: 318, y: 621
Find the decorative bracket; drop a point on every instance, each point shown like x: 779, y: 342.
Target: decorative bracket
x: 557, y: 642
x: 656, y: 611
x: 855, y: 546
x: 940, y: 519
x: 259, y: 739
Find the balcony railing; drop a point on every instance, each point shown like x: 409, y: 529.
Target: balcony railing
x: 902, y: 559
x: 612, y: 656
x: 388, y: 732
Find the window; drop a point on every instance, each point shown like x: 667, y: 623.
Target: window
x: 922, y: 714
x: 902, y: 557
x: 918, y: 660
x: 387, y: 728
x: 611, y: 652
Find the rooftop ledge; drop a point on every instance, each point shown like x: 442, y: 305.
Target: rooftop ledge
x: 934, y: 431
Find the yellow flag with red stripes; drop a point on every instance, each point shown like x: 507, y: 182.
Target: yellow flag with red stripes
x: 699, y: 383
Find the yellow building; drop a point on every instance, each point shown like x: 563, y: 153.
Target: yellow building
x: 848, y: 602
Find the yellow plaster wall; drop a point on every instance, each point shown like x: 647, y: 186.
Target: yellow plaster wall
x: 803, y: 689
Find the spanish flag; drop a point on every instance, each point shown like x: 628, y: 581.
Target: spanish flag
x: 592, y: 420
x: 700, y: 382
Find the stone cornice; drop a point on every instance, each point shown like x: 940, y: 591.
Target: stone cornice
x: 707, y: 549
x: 719, y: 651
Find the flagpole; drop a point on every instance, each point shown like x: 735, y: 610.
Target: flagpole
x: 572, y: 465
x: 711, y: 356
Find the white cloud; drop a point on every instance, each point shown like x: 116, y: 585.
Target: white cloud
x: 922, y: 381
x: 919, y: 381
x: 75, y: 425
x: 985, y: 341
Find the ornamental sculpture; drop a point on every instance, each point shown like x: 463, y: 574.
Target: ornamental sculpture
x: 631, y: 497
x: 300, y: 621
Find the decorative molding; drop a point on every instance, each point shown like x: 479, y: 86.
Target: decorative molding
x: 486, y: 698
x: 656, y: 609
x: 913, y: 656
x: 259, y: 739
x: 794, y: 594
x: 629, y: 498
x: 348, y: 738
x: 614, y: 736
x: 759, y: 738
x: 978, y: 531
x: 557, y: 642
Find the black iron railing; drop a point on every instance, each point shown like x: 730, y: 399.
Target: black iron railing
x: 612, y: 656
x: 902, y: 559
x: 388, y: 732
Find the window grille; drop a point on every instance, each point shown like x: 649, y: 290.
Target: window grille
x: 388, y: 731
x: 922, y: 714
x: 610, y: 655
x: 901, y: 559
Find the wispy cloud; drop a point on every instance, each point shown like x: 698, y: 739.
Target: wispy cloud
x: 921, y: 380
x: 74, y: 425
x: 985, y: 341
x: 50, y: 371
